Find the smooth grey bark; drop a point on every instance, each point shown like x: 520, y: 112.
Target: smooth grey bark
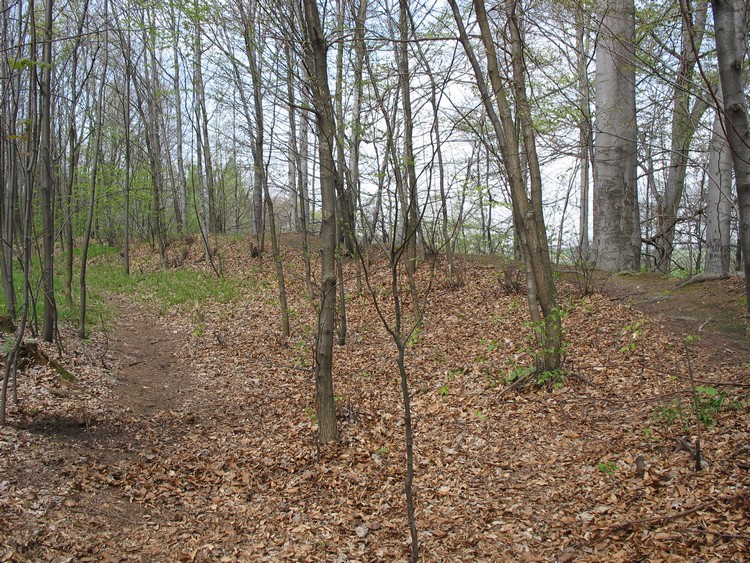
x: 9, y: 168
x: 617, y: 236
x: 322, y: 101
x: 687, y: 111
x: 718, y: 202
x: 730, y: 24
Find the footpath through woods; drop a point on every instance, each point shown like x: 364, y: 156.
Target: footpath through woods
x: 188, y: 433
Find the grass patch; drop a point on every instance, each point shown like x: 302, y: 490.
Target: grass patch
x: 106, y: 275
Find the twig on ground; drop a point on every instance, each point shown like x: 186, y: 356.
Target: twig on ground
x: 609, y: 530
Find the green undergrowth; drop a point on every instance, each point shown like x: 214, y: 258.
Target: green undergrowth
x: 161, y: 289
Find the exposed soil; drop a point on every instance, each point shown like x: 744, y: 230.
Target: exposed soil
x: 192, y: 436
x: 712, y: 311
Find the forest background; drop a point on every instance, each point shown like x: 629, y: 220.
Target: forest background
x: 608, y: 136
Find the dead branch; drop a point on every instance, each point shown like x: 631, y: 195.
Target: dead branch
x: 630, y: 524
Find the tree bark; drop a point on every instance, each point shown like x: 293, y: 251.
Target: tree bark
x: 527, y: 210
x: 181, y: 211
x: 718, y: 202
x: 411, y: 208
x: 730, y: 26
x: 326, y: 407
x: 617, y: 237
x: 92, y: 189
x: 47, y: 181
x: 684, y: 122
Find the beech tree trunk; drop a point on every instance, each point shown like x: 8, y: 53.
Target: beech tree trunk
x: 718, y: 202
x: 684, y: 122
x: 617, y: 236
x: 731, y: 31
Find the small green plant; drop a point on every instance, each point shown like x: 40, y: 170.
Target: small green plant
x: 648, y: 433
x: 444, y: 390
x: 607, y: 467
x: 7, y: 346
x: 301, y: 358
x: 538, y: 346
x: 199, y: 330
x: 692, y: 338
x: 413, y: 338
x: 479, y: 413
x: 311, y: 414
x: 491, y: 345
x: 518, y: 372
x: 708, y: 402
x: 439, y: 357
x: 555, y: 378
x: 636, y: 331
x: 671, y: 413
x: 382, y: 450
x: 454, y: 373
x: 514, y: 305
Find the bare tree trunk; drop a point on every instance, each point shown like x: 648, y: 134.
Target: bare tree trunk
x: 47, y: 180
x: 94, y: 173
x: 298, y: 183
x: 32, y: 139
x: 8, y: 164
x: 283, y: 306
x: 326, y: 407
x: 255, y: 60
x: 410, y: 211
x: 718, y: 202
x: 149, y: 108
x: 528, y: 210
x: 74, y: 153
x: 684, y: 122
x: 730, y: 22
x: 204, y: 214
x: 617, y: 237
x: 584, y: 130
x: 181, y: 212
x: 127, y: 120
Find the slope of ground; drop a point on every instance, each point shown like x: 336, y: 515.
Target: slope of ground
x: 191, y: 435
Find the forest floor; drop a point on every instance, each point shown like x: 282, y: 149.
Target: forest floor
x: 188, y: 433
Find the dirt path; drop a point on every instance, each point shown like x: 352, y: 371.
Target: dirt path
x: 76, y: 483
x: 711, y: 312
x: 196, y: 449
x: 148, y: 355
